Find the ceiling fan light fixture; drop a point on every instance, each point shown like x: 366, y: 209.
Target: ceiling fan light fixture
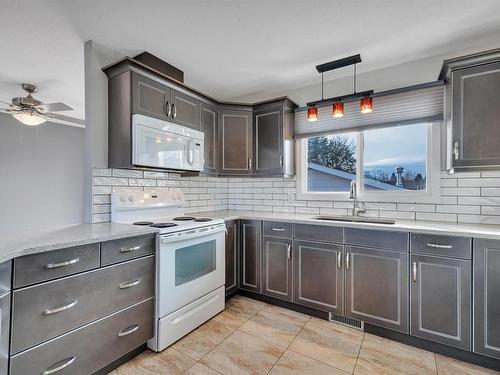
x: 312, y: 114
x: 366, y: 104
x: 338, y: 109
x: 29, y: 118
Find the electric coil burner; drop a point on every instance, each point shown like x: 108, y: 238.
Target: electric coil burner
x: 183, y: 218
x: 203, y: 219
x: 143, y: 223
x: 163, y: 225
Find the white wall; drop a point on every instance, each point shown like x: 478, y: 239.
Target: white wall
x: 41, y: 175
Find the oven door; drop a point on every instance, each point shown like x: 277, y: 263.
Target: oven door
x: 191, y: 264
x: 160, y: 144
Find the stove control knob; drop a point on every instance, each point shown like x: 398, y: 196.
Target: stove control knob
x: 179, y: 197
x: 122, y: 198
x: 131, y: 198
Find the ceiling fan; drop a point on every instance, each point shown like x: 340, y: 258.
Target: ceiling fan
x: 31, y: 111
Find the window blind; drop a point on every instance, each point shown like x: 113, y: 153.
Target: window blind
x: 409, y: 105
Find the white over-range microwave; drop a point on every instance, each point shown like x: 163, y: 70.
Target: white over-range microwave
x: 162, y: 144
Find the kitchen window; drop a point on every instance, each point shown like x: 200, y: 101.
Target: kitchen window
x: 394, y: 164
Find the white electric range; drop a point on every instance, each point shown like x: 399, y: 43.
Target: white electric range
x: 190, y: 267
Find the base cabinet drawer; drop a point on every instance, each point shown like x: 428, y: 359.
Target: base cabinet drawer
x: 126, y: 249
x: 441, y: 300
x: 47, y: 310
x: 88, y: 349
x: 36, y: 268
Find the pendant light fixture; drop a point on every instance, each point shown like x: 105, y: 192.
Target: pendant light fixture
x: 366, y: 100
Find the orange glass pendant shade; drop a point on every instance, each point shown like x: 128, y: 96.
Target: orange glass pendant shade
x: 312, y: 114
x: 338, y: 109
x: 366, y: 104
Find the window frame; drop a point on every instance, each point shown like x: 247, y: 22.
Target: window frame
x: 430, y: 195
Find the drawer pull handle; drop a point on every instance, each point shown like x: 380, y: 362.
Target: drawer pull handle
x: 128, y: 330
x: 439, y: 246
x: 56, y: 310
x: 339, y: 260
x: 348, y: 261
x: 414, y: 272
x: 59, y: 366
x: 129, y: 249
x: 62, y: 264
x: 289, y: 252
x: 130, y: 284
x: 278, y: 229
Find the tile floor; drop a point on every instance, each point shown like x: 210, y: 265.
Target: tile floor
x: 251, y: 337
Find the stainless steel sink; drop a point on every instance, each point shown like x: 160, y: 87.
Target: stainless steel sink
x: 357, y: 219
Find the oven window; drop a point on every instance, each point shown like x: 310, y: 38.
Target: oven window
x: 195, y: 261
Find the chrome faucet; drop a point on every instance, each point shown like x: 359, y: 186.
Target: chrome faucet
x: 358, y: 208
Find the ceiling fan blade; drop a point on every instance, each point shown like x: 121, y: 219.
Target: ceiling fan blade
x: 53, y: 117
x: 10, y: 104
x: 54, y: 107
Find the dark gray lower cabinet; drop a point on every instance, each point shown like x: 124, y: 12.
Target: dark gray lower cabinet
x: 250, y: 255
x: 487, y: 297
x: 376, y: 287
x: 232, y: 262
x: 318, y: 275
x: 277, y: 268
x: 441, y: 300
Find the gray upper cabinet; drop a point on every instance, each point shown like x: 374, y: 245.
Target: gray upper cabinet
x: 250, y: 255
x: 472, y: 110
x: 376, y: 289
x: 486, y: 297
x: 235, y: 141
x: 318, y: 277
x: 441, y: 300
x: 273, y: 138
x: 150, y: 98
x: 209, y: 129
x: 277, y: 268
x: 185, y: 110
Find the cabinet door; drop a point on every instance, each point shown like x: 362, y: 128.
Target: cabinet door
x: 185, y: 110
x: 209, y: 128
x: 318, y: 275
x: 235, y: 134
x: 277, y: 268
x: 250, y: 251
x: 441, y: 300
x: 376, y: 287
x: 231, y: 256
x: 475, y: 114
x: 268, y: 142
x: 150, y: 98
x: 486, y: 297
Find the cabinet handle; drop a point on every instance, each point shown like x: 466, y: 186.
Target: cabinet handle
x: 456, y: 152
x: 439, y: 246
x: 249, y: 163
x: 168, y: 110
x: 339, y: 260
x: 289, y: 252
x: 281, y: 160
x: 62, y: 264
x: 56, y: 310
x: 59, y: 366
x: 414, y: 272
x: 225, y: 230
x: 174, y: 111
x: 129, y: 249
x: 348, y: 261
x: 130, y: 284
x: 278, y: 229
x: 128, y: 330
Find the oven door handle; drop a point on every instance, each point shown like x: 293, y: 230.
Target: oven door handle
x: 190, y: 234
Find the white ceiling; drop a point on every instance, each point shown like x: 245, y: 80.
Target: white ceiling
x: 231, y: 49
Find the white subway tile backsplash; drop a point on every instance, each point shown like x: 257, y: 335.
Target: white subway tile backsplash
x: 468, y: 197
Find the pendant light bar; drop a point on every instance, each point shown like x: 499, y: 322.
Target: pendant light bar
x: 343, y: 98
x: 340, y: 63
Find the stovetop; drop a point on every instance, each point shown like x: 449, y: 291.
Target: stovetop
x: 162, y: 210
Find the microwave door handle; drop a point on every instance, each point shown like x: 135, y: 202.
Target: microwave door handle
x: 190, y: 152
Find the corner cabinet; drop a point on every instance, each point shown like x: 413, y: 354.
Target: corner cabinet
x: 472, y: 111
x: 273, y: 147
x: 486, y: 297
x: 235, y: 140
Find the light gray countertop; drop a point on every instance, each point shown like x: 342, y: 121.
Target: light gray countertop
x: 431, y: 227
x: 19, y: 243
